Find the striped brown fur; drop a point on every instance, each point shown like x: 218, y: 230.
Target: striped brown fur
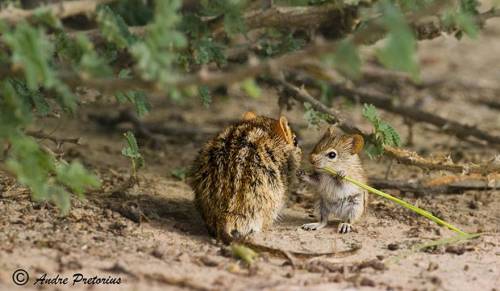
x: 240, y: 177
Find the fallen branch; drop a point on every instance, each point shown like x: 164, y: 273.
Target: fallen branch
x: 150, y: 131
x: 491, y: 103
x: 433, y: 29
x: 411, y: 158
x: 139, y: 128
x: 57, y: 141
x: 473, y: 180
x: 13, y: 15
x: 401, y: 155
x: 297, y: 17
x: 380, y: 100
x: 239, y: 73
x: 341, y: 17
x: 371, y: 32
x: 290, y: 255
x: 97, y: 39
x: 202, y: 77
x: 301, y: 95
x: 420, y: 187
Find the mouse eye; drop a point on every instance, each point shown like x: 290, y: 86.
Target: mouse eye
x: 295, y: 141
x: 331, y: 155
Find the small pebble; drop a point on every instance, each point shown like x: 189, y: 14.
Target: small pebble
x: 367, y: 282
x: 435, y: 280
x: 432, y: 266
x: 209, y: 261
x: 158, y: 252
x: 458, y: 250
x: 393, y: 246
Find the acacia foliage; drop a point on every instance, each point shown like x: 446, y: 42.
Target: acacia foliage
x: 40, y: 60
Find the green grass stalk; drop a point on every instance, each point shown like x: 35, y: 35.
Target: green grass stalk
x: 405, y: 204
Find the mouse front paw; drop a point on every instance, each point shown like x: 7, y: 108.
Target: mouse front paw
x: 313, y: 226
x: 340, y: 175
x: 345, y: 228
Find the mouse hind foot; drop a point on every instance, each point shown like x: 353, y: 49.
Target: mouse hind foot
x: 237, y: 228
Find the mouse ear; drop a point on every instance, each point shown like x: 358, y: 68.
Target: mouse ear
x: 283, y: 130
x: 331, y: 130
x: 249, y: 115
x: 357, y: 143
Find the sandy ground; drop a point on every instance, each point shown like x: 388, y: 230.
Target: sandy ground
x: 151, y: 237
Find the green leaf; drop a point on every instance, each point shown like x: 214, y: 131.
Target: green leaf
x: 131, y: 150
x: 76, y: 177
x: 30, y: 165
x: 47, y: 18
x: 60, y: 197
x: 231, y: 10
x: 466, y: 23
x: 233, y: 19
x: 65, y: 97
x: 206, y: 98
x: 384, y: 133
x: 134, y: 12
x: 370, y: 113
x: 15, y: 111
x: 180, y: 173
x: 207, y: 50
x: 114, y: 28
x: 31, y: 51
x: 314, y: 118
x: 390, y: 135
x: 275, y: 42
x: 251, y: 88
x: 193, y: 26
x: 155, y: 54
x: 138, y: 98
x: 244, y: 253
x: 346, y: 60
x: 469, y: 6
x: 33, y: 97
x: 399, y: 52
x: 373, y: 150
x: 90, y: 62
x: 463, y: 19
x: 67, y: 49
x: 47, y: 178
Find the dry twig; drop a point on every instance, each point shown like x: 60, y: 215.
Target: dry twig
x: 411, y: 158
x: 401, y: 155
x: 475, y: 180
x: 369, y: 33
x: 297, y: 17
x: 420, y: 187
x: 57, y: 141
x: 309, y: 17
x: 380, y: 100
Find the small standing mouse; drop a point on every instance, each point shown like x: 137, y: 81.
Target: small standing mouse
x: 336, y: 195
x: 240, y: 178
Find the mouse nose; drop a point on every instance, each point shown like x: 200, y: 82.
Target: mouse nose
x: 315, y: 161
